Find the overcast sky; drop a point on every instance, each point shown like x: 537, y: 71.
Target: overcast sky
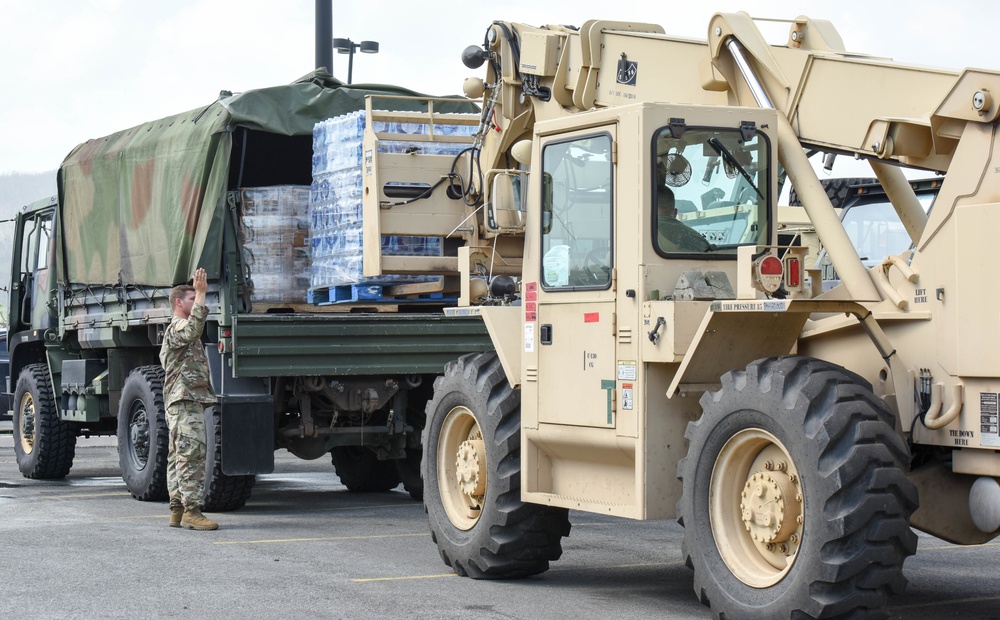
x: 78, y: 69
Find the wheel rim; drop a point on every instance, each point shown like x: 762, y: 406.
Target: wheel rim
x: 756, y: 508
x: 26, y: 426
x: 138, y: 435
x: 461, y: 468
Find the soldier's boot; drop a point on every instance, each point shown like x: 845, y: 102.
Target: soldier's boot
x: 176, y: 513
x: 194, y: 520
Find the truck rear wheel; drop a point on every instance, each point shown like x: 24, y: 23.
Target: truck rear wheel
x: 408, y: 467
x: 472, y: 477
x: 44, y: 445
x: 143, y: 435
x: 360, y: 470
x: 795, y: 500
x: 408, y: 471
x: 222, y: 491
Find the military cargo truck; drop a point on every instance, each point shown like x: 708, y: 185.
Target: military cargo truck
x: 225, y: 187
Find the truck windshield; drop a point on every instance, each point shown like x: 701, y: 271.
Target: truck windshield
x: 726, y: 204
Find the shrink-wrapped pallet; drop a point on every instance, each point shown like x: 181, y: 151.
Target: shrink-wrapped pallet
x: 336, y: 205
x: 274, y: 233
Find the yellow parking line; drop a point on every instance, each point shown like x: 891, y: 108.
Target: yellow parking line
x: 79, y: 495
x: 568, y: 569
x: 959, y: 601
x: 554, y: 570
x: 403, y: 578
x: 939, y: 548
x: 294, y: 540
x: 399, y: 505
x: 159, y: 516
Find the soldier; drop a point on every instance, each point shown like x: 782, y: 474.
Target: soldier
x: 672, y: 234
x: 187, y: 389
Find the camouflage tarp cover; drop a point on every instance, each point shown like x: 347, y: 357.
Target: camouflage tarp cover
x: 143, y: 206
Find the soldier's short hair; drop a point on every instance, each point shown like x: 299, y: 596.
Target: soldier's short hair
x: 179, y: 292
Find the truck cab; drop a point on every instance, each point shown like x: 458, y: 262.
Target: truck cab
x: 32, y: 286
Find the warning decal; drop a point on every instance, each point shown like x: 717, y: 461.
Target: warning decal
x: 988, y: 424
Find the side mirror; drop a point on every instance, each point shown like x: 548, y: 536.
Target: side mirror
x: 505, y: 210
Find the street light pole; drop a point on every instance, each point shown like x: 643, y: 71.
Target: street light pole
x: 346, y: 46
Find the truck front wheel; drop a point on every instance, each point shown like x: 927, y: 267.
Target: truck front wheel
x: 795, y: 500
x: 142, y: 434
x: 472, y: 477
x: 44, y: 445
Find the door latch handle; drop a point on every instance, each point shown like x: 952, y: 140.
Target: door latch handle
x: 545, y: 335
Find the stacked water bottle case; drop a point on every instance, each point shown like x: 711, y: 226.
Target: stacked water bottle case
x: 335, y: 207
x: 274, y: 231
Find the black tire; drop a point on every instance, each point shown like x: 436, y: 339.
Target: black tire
x: 483, y: 531
x: 222, y: 492
x: 837, y: 190
x: 142, y: 435
x: 360, y: 470
x: 408, y: 472
x: 408, y: 468
x: 44, y: 445
x: 795, y: 438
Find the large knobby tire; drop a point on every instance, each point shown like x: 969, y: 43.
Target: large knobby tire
x: 472, y: 477
x: 360, y: 470
x: 222, y: 492
x: 795, y: 502
x: 44, y: 445
x: 142, y: 435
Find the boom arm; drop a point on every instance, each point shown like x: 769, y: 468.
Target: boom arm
x: 906, y: 115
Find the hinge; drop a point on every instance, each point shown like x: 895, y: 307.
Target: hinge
x: 677, y: 127
x: 614, y: 152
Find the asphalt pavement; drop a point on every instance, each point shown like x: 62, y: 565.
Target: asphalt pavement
x: 305, y: 547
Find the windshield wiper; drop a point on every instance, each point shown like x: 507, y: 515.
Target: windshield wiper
x: 721, y: 149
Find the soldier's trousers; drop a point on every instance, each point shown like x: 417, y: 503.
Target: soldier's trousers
x: 186, y: 454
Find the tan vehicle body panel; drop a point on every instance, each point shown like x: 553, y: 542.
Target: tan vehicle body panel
x: 925, y: 313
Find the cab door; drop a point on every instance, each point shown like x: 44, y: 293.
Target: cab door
x: 30, y: 287
x: 575, y: 296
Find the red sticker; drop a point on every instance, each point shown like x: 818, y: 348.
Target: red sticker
x: 591, y: 317
x: 529, y: 306
x: 530, y: 316
x: 531, y: 287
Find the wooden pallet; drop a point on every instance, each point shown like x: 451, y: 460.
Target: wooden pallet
x: 439, y: 291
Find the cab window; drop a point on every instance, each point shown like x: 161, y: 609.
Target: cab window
x: 577, y: 213
x: 711, y: 193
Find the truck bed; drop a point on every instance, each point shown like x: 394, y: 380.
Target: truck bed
x: 270, y: 345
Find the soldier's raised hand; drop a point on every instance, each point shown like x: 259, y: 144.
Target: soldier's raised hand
x: 200, y: 286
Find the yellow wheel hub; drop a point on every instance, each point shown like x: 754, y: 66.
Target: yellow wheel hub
x: 26, y: 428
x: 756, y: 508
x: 462, y: 468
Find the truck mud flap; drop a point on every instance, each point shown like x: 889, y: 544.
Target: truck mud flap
x: 247, y: 434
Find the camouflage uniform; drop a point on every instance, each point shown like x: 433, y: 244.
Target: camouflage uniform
x: 187, y: 389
